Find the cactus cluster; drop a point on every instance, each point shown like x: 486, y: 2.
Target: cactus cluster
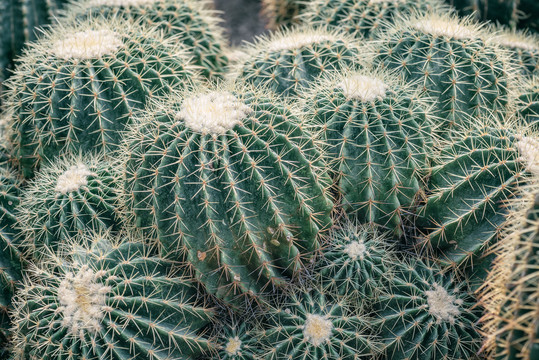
x: 360, y: 182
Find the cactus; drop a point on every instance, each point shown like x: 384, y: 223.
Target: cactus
x: 281, y: 13
x: 91, y: 76
x: 426, y: 316
x: 109, y: 299
x: 289, y: 60
x: 510, y: 293
x: 69, y: 197
x: 469, y: 188
x: 10, y: 257
x: 239, y: 341
x: 19, y: 24
x: 499, y: 11
x: 362, y: 18
x: 376, y: 129
x: 312, y: 324
x: 467, y: 74
x: 356, y: 261
x: 527, y: 104
x: 229, y: 177
x: 523, y: 49
x: 191, y: 22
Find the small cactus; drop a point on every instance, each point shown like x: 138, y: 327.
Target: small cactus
x: 376, y: 130
x: 109, y: 299
x: 455, y: 63
x: 362, y: 18
x: 282, y: 13
x: 424, y: 315
x: 290, y: 60
x: 239, y: 341
x: 523, y: 49
x: 231, y: 178
x: 92, y: 76
x: 191, y: 22
x: 312, y: 325
x: 69, y: 197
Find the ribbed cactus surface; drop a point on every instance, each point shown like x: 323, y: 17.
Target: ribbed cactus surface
x: 453, y: 61
x: 109, y: 300
x: 191, y: 22
x: 523, y: 49
x: 239, y: 341
x: 231, y: 178
x: 69, y: 197
x: 288, y: 61
x: 426, y: 316
x: 92, y: 76
x: 527, y: 103
x: 376, y: 131
x: 362, y: 18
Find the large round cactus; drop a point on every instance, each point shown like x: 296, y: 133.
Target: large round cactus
x: 312, y: 324
x: 109, y: 299
x: 191, y: 22
x: 230, y: 176
x: 290, y: 60
x: 376, y: 130
x: 468, y: 190
x: 361, y: 18
x: 78, y: 86
x: 523, y: 49
x: 453, y: 61
x: 426, y: 316
x: 527, y: 103
x: 69, y: 197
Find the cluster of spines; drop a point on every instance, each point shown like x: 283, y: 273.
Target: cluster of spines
x: 282, y: 13
x: 522, y: 47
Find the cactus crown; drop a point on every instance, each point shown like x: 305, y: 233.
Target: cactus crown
x: 87, y: 44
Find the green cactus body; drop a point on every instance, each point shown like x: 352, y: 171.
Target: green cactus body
x: 376, y: 130
x: 290, y: 60
x: 230, y: 176
x: 465, y: 210
x: 111, y: 300
x: 500, y: 11
x: 361, y: 18
x: 19, y: 21
x: 312, y: 325
x: 239, y: 342
x: 523, y: 48
x: 280, y: 13
x: 92, y: 76
x: 190, y: 22
x: 426, y: 316
x: 67, y: 198
x: 355, y: 261
x: 466, y: 74
x: 10, y: 257
x: 527, y: 104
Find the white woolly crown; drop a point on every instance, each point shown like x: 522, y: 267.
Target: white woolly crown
x: 317, y: 329
x: 517, y: 42
x: 118, y: 3
x: 87, y: 44
x: 445, y: 27
x: 364, y: 88
x: 233, y: 346
x: 298, y: 40
x: 73, y: 178
x: 442, y: 305
x: 213, y: 113
x: 528, y: 148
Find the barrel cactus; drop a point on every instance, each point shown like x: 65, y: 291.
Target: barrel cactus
x: 454, y: 61
x: 376, y: 130
x: 361, y: 18
x: 91, y: 76
x: 527, y: 104
x: 228, y: 179
x: 239, y: 341
x: 290, y: 60
x: 312, y: 325
x: 424, y: 315
x: 468, y: 192
x: 356, y: 261
x: 69, y: 197
x: 191, y: 22
x: 109, y: 299
x: 280, y: 13
x: 523, y: 49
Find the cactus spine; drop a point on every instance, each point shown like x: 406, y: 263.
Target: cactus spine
x: 376, y: 130
x: 523, y: 49
x: 527, y: 104
x: 109, y: 299
x: 239, y: 341
x: 92, y: 76
x: 191, y: 22
x: 281, y: 13
x: 231, y: 177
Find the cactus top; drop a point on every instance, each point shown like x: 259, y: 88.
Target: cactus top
x: 528, y: 148
x: 442, y: 305
x: 317, y: 329
x: 448, y: 27
x: 517, y: 41
x: 121, y: 2
x: 73, y: 178
x: 87, y: 44
x: 233, y: 346
x: 299, y: 40
x: 364, y: 88
x: 212, y: 113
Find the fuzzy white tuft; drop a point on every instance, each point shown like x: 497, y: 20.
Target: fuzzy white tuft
x: 213, y: 113
x: 118, y: 3
x: 317, y: 329
x: 445, y: 27
x: 233, y: 346
x: 88, y: 44
x: 514, y: 41
x: 82, y: 297
x: 364, y: 88
x: 443, y: 306
x: 384, y: 1
x: 299, y: 40
x: 356, y: 250
x: 72, y: 179
x: 528, y: 148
